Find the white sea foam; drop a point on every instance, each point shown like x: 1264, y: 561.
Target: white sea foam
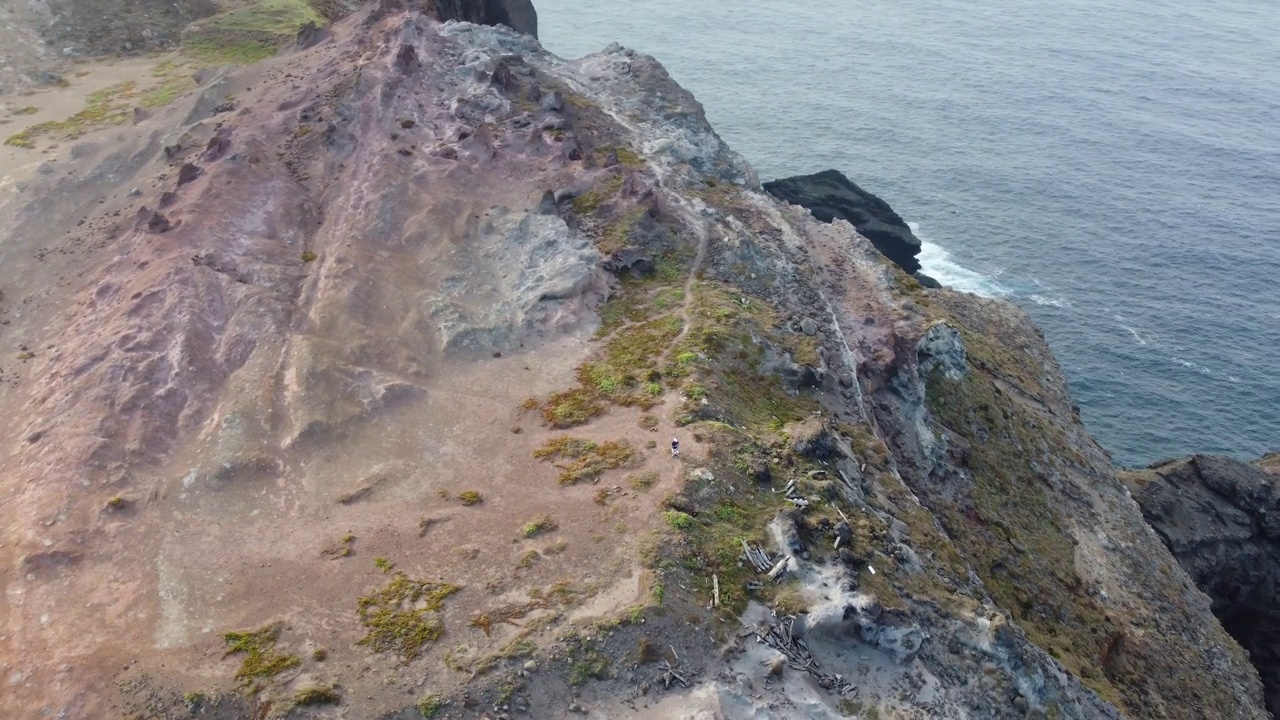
x: 1058, y: 302
x: 1137, y: 338
x: 936, y: 262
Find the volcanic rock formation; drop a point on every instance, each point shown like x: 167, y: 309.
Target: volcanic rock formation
x: 1220, y: 518
x: 338, y: 385
x: 830, y: 195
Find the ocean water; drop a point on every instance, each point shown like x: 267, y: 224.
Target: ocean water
x: 1111, y: 166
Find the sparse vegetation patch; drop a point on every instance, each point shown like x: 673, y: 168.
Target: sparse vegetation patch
x: 584, y: 460
x: 247, y: 35
x: 261, y: 661
x: 402, y: 617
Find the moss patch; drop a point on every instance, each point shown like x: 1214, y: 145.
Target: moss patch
x: 720, y: 359
x: 582, y: 460
x: 317, y: 695
x: 260, y: 661
x: 604, y: 191
x: 402, y: 617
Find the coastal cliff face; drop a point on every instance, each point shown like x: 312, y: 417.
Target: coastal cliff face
x: 1220, y: 518
x: 341, y: 385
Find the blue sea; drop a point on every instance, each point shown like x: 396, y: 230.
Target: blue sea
x: 1111, y: 166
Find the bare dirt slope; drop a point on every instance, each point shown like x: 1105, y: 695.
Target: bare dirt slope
x: 317, y: 320
x: 340, y: 386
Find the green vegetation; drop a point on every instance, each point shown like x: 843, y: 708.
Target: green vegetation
x: 572, y: 408
x: 720, y: 359
x: 116, y: 503
x: 319, y: 654
x: 678, y: 520
x: 111, y: 106
x: 584, y: 460
x: 470, y: 497
x: 626, y: 156
x: 28, y: 110
x: 308, y: 256
x: 249, y: 34
x: 615, y: 236
x: 1010, y: 531
x: 541, y: 526
x: 261, y: 661
x: 591, y: 200
x: 317, y: 695
x: 586, y: 663
x: 383, y: 564
x: 402, y: 617
x: 429, y: 705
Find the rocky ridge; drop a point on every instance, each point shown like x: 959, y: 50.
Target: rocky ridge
x: 289, y: 421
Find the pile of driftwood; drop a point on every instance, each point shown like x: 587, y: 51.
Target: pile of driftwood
x: 763, y: 563
x: 779, y: 634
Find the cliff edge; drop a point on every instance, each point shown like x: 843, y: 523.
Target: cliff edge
x: 1220, y: 518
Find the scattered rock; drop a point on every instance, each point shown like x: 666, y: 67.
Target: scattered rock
x: 812, y: 438
x: 927, y: 281
x: 760, y: 471
x: 809, y: 327
x: 153, y: 221
x: 188, y: 173
x: 702, y: 475
x: 634, y: 261
x: 776, y: 666
x: 310, y: 35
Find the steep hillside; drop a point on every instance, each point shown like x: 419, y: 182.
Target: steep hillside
x: 341, y: 385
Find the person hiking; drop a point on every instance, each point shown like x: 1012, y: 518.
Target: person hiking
x: 675, y: 448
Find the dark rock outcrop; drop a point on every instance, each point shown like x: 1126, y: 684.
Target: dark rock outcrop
x: 829, y: 195
x: 519, y: 15
x: 1220, y: 518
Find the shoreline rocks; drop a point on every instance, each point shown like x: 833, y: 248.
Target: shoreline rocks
x: 830, y: 195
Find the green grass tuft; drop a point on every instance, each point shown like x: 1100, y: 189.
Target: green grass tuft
x: 429, y: 705
x: 678, y: 520
x: 541, y: 526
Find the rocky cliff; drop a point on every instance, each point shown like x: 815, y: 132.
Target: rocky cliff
x: 1220, y: 518
x: 830, y: 195
x: 340, y: 386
